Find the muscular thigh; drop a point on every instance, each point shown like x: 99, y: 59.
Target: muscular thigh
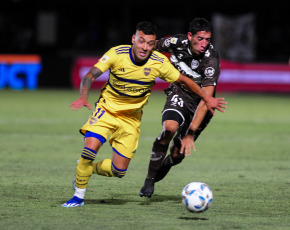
x: 125, y: 139
x: 121, y: 131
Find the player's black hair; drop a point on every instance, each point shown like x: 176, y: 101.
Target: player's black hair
x: 146, y: 27
x: 199, y: 24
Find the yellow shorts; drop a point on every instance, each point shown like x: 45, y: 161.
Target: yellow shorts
x: 124, y: 131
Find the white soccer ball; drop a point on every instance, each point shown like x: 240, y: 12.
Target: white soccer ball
x: 196, y: 197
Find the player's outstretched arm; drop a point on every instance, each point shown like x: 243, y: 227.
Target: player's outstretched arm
x: 187, y: 142
x: 86, y: 83
x: 211, y: 102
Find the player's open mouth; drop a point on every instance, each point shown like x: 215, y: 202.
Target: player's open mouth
x: 143, y: 54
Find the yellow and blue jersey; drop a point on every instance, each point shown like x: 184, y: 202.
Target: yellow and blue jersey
x: 129, y: 84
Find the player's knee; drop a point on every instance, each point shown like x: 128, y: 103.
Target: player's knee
x: 170, y: 127
x: 167, y: 135
x: 118, y: 172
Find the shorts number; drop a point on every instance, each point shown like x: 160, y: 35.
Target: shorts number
x: 100, y: 112
x: 176, y: 100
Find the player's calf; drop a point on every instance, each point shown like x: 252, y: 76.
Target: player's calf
x: 118, y: 172
x: 166, y: 165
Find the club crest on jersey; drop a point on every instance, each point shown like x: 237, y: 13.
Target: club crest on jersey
x: 147, y: 71
x: 167, y: 42
x: 194, y: 64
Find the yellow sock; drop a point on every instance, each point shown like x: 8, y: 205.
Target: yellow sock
x: 84, y: 172
x: 103, y: 168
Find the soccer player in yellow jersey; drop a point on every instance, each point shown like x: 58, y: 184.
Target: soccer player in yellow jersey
x: 117, y: 116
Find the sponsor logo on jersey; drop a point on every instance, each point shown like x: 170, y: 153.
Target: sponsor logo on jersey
x: 147, y: 71
x: 119, y: 86
x: 209, y: 71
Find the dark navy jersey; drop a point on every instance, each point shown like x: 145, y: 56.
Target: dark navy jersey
x: 204, y: 69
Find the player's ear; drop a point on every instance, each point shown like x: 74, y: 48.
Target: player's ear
x: 133, y: 39
x: 189, y: 36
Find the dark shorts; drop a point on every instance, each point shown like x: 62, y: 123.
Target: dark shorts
x: 180, y: 106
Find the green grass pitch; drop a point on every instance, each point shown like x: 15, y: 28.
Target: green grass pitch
x: 244, y: 155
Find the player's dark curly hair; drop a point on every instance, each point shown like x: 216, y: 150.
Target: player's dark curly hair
x: 146, y: 27
x: 199, y: 24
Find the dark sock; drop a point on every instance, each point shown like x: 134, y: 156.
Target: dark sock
x: 157, y: 155
x: 166, y: 165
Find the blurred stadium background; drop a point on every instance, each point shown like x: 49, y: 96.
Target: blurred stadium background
x: 65, y: 38
x: 243, y: 155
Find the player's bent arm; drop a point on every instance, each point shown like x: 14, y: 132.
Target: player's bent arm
x: 200, y: 111
x: 188, y: 141
x: 211, y: 102
x: 86, y: 83
x: 192, y: 86
x: 88, y: 80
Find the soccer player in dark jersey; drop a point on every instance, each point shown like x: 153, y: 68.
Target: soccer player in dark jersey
x: 184, y: 115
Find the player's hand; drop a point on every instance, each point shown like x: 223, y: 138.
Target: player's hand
x: 216, y: 103
x: 186, y: 144
x: 79, y: 103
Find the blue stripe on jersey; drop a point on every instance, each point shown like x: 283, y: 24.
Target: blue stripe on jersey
x: 124, y: 94
x: 156, y: 58
x: 123, y: 49
x: 132, y: 81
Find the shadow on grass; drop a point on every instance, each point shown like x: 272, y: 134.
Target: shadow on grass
x: 106, y: 201
x: 160, y: 198
x: 144, y: 200
x: 192, y: 218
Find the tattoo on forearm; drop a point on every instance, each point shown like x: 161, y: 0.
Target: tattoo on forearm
x: 95, y: 72
x: 85, y: 86
x: 88, y: 80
